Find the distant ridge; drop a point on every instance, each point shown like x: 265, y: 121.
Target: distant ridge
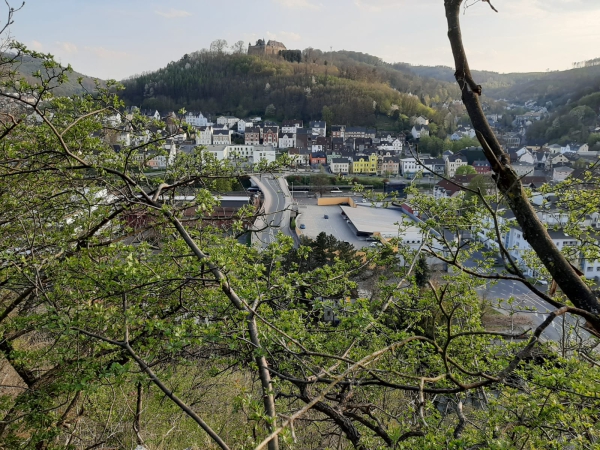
x: 29, y: 65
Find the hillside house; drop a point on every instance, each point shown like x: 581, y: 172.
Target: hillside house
x: 390, y: 165
x: 291, y: 126
x: 422, y: 120
x: 204, y: 135
x: 561, y: 173
x: 318, y: 128
x: 196, y: 119
x: 338, y: 131
x: 222, y: 137
x: 243, y: 124
x: 301, y: 156
x: 270, y: 135
x: 419, y: 131
x: 364, y: 164
x: 523, y: 169
x: 446, y: 189
x: 252, y: 136
x: 318, y: 158
x: 228, y: 121
x: 355, y: 132
x: 340, y: 165
x: 482, y: 167
x: 286, y: 140
x: 453, y: 162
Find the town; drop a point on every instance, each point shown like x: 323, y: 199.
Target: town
x: 351, y: 152
x: 365, y: 239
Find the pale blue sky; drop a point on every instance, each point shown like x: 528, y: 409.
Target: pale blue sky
x: 116, y: 39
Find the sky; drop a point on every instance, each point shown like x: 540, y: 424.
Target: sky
x: 118, y: 39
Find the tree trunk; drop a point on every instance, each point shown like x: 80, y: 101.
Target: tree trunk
x: 534, y: 231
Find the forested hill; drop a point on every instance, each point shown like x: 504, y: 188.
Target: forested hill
x: 343, y: 87
x: 559, y: 87
x: 28, y: 65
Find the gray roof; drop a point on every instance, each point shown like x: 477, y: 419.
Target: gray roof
x: 356, y: 130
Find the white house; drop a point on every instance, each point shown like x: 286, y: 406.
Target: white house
x: 153, y: 115
x: 239, y: 151
x: 124, y: 137
x: 517, y: 246
x: 301, y: 156
x: 555, y: 159
x: 419, y: 131
x: 453, y: 162
x: 291, y: 126
x: 195, y: 119
x: 555, y: 148
x: 229, y: 121
x: 561, y: 173
x: 316, y: 148
x: 340, y: 165
x: 204, y: 135
x: 221, y: 137
x: 319, y: 128
x: 287, y: 140
x: 525, y: 156
x: 243, y: 124
x: 395, y: 146
x: 446, y: 189
x: 113, y: 120
x: 422, y: 120
x: 264, y: 153
x: 583, y: 149
x: 220, y: 152
x: 140, y: 137
x: 409, y: 167
x: 523, y: 169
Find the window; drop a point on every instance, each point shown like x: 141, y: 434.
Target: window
x: 589, y: 269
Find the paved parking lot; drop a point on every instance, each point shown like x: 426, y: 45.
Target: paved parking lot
x: 313, y: 217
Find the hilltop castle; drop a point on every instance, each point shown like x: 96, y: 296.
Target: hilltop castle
x: 270, y: 48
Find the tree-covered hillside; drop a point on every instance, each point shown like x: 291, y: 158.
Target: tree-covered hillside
x: 28, y: 65
x: 334, y: 86
x: 573, y: 121
x: 558, y: 87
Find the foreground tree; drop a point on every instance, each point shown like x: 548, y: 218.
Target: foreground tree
x: 128, y: 318
x: 582, y: 297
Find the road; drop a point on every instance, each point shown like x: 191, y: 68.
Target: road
x: 277, y: 205
x: 526, y: 304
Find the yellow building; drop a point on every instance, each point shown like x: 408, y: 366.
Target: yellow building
x: 364, y: 164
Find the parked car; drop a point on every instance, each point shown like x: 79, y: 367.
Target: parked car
x: 302, y: 226
x: 326, y: 216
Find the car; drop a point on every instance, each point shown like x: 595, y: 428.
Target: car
x: 365, y: 201
x: 302, y: 226
x: 326, y: 216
